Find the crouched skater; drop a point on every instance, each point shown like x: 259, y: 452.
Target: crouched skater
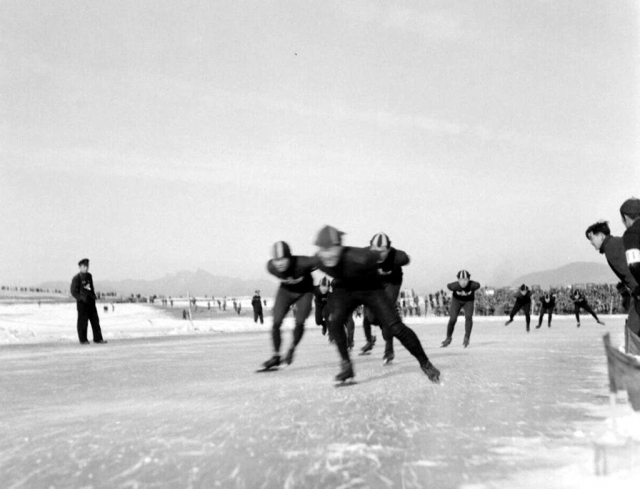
x: 296, y: 287
x: 356, y: 282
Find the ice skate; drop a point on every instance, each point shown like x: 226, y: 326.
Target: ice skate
x: 271, y: 364
x: 578, y: 325
x: 508, y: 322
x: 346, y: 373
x: 539, y: 326
x: 288, y: 359
x: 600, y: 322
x: 432, y: 372
x: 446, y: 343
x: 388, y: 358
x: 368, y: 346
x: 465, y: 342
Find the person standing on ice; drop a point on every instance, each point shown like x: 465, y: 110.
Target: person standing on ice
x: 630, y: 214
x: 256, y: 303
x: 547, y: 304
x: 580, y: 302
x: 390, y: 273
x: 296, y: 287
x: 83, y: 291
x: 523, y: 301
x: 356, y: 281
x: 463, y: 298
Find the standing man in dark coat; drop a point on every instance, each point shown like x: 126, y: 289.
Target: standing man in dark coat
x: 85, y: 295
x: 256, y: 303
x: 463, y: 298
x: 523, y: 301
x: 356, y: 282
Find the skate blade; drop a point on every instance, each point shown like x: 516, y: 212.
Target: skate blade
x: 262, y: 370
x: 364, y: 353
x: 345, y: 383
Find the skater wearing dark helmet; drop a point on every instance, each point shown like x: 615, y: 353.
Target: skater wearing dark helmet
x: 320, y: 298
x: 523, y: 301
x: 463, y: 298
x: 356, y: 281
x: 390, y: 273
x: 296, y: 287
x: 547, y: 304
x: 580, y: 302
x: 85, y: 295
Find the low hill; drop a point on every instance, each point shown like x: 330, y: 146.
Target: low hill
x: 573, y: 273
x: 198, y: 283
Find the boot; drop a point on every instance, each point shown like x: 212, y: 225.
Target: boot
x: 446, y: 342
x: 432, y: 372
x: 465, y: 342
x: 346, y: 371
x: 289, y: 357
x: 369, y: 345
x: 274, y: 361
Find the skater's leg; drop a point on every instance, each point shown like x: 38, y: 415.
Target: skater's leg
x: 514, y: 310
x: 541, y: 318
x: 633, y: 319
x: 350, y: 327
x: 527, y: 314
x: 588, y: 308
x: 468, y: 318
x: 95, y: 323
x: 454, y: 310
x: 576, y: 310
x: 284, y: 300
x: 549, y: 317
x: 390, y: 320
x: 366, y: 325
x: 83, y: 319
x: 302, y: 313
x: 342, y: 306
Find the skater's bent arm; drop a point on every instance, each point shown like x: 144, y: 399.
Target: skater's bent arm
x: 401, y: 259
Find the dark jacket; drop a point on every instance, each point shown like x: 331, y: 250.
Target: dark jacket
x: 390, y: 270
x: 613, y: 250
x: 465, y: 295
x: 523, y: 298
x: 256, y: 302
x: 79, y: 289
x: 357, y: 269
x: 548, y: 304
x: 297, y: 278
x: 631, y: 240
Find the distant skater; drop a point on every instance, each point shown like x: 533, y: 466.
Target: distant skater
x: 320, y: 299
x: 463, y: 298
x: 547, y: 304
x: 83, y: 291
x: 523, y: 301
x: 296, y: 288
x: 580, y: 302
x: 256, y: 303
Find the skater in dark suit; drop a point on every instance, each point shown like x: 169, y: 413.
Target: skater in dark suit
x: 356, y: 281
x: 296, y: 288
x: 85, y: 295
x: 463, y: 298
x: 320, y: 299
x: 390, y: 273
x: 523, y: 301
x: 580, y: 302
x: 630, y: 214
x: 547, y: 304
x: 256, y: 303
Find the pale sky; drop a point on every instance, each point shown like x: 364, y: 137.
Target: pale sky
x: 157, y: 136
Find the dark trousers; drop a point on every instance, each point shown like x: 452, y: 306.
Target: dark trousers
x: 583, y: 305
x: 284, y: 300
x: 392, y: 291
x: 87, y: 312
x: 454, y: 310
x: 344, y: 302
x: 257, y: 314
x: 322, y: 316
x: 525, y: 306
x: 633, y: 319
x: 542, y: 311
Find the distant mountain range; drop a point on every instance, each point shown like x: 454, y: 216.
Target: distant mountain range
x: 198, y: 283
x: 203, y: 283
x: 573, y: 273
